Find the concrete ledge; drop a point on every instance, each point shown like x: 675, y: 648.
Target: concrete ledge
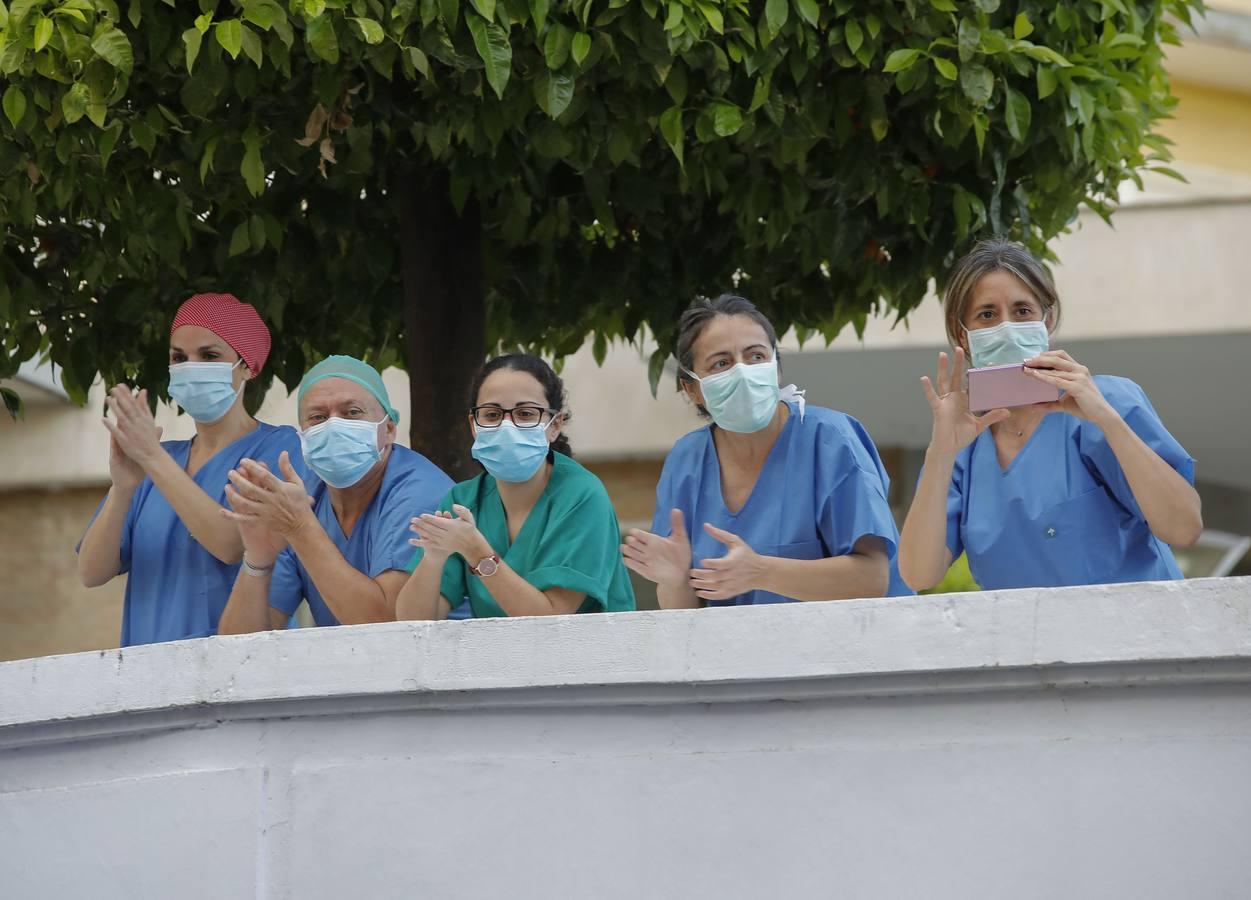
x: 1116, y: 634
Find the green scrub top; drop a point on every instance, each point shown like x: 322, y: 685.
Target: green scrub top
x: 570, y: 540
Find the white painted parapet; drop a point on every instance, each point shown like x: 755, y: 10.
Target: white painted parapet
x: 1083, y: 742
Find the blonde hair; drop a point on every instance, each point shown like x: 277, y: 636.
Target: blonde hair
x: 996, y: 255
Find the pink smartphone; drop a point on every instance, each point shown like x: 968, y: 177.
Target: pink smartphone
x: 998, y: 387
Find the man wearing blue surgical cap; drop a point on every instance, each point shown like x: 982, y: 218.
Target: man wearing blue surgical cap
x: 338, y: 537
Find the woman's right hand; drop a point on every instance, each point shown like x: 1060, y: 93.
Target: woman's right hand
x: 662, y: 560
x: 954, y: 426
x: 125, y: 473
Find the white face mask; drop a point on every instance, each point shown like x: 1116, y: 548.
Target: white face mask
x: 204, y: 390
x: 1007, y: 344
x: 743, y: 398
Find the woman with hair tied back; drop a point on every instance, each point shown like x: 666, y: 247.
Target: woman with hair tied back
x: 1088, y: 489
x: 535, y: 534
x: 775, y: 501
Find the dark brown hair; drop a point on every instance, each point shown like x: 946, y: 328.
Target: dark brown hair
x: 553, y: 388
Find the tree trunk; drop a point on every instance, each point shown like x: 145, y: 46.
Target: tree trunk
x: 444, y: 319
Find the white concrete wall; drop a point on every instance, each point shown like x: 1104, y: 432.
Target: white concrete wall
x: 1086, y: 742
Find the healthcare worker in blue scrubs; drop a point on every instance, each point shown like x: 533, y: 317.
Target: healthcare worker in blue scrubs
x: 336, y: 536
x: 533, y: 535
x: 775, y: 501
x: 1090, y: 489
x: 161, y: 522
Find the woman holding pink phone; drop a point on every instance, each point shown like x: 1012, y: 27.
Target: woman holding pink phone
x: 1087, y: 489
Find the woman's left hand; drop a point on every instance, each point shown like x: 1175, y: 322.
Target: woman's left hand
x: 1082, y: 397
x: 133, y: 428
x: 446, y: 535
x: 742, y: 569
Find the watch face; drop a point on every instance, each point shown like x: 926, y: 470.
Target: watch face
x: 488, y: 567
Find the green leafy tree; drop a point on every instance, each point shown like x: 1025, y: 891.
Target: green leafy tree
x: 418, y: 181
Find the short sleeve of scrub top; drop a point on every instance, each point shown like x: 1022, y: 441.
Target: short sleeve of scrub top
x: 286, y: 587
x: 1131, y: 403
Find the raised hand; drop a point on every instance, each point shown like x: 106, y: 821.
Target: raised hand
x: 662, y: 560
x: 267, y: 509
x: 125, y: 473
x: 132, y: 427
x: 954, y: 426
x: 1082, y: 397
x: 742, y: 569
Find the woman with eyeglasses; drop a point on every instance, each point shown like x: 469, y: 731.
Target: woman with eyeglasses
x: 533, y: 535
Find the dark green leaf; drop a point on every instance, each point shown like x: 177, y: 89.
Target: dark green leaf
x: 322, y: 39
x: 253, y: 168
x: 240, y: 240
x: 371, y: 32
x: 553, y: 91
x: 43, y: 32
x: 1017, y: 114
x: 811, y: 13
x: 74, y: 103
x: 978, y: 84
x: 727, y: 118
x: 114, y: 48
x: 485, y: 8
x: 253, y: 48
x: 776, y: 14
x: 496, y: 53
x: 14, y: 104
x: 192, y: 38
x: 556, y: 45
x: 898, y: 60
x: 1047, y: 82
x: 229, y: 35
x: 580, y: 47
x: 853, y: 34
x: 671, y: 129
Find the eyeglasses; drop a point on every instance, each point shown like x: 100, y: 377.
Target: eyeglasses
x: 527, y: 415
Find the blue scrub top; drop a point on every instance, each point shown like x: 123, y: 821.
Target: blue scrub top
x: 411, y: 485
x: 1062, y: 512
x: 822, y: 488
x: 176, y: 589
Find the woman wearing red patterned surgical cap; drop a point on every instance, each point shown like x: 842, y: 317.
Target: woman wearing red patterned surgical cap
x: 160, y: 522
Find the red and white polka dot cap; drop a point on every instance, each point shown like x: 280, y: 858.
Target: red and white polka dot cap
x: 235, y: 322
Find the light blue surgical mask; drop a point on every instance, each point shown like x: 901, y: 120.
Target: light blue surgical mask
x: 204, y: 390
x: 341, y: 451
x: 744, y: 398
x: 1008, y: 344
x: 510, y: 453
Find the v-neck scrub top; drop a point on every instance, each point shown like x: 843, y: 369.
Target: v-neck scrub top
x: 1062, y: 512
x: 176, y: 589
x: 411, y: 485
x: 570, y: 540
x: 821, y: 490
